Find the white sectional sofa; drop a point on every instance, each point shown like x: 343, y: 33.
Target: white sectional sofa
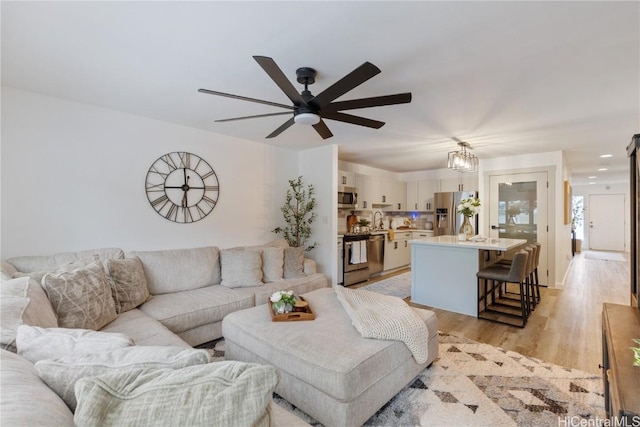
x: 157, y: 298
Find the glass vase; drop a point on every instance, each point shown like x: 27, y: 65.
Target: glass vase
x: 278, y: 307
x: 466, y: 228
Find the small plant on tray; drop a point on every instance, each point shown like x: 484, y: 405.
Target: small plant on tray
x: 282, y: 301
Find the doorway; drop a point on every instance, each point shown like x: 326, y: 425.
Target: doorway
x: 606, y: 222
x: 518, y: 209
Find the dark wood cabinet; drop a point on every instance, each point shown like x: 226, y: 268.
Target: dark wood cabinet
x: 633, y: 150
x: 620, y: 325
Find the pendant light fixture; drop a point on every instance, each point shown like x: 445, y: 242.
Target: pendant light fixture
x: 462, y: 160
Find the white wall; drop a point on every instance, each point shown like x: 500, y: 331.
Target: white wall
x: 588, y: 190
x: 73, y: 178
x: 318, y: 166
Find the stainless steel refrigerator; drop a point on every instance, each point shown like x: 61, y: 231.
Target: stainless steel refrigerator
x: 447, y: 220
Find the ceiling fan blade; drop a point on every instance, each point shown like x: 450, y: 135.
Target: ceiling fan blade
x: 276, y: 74
x: 286, y: 125
x: 345, y: 84
x: 322, y: 129
x: 252, y: 117
x: 244, y: 98
x: 376, y: 101
x: 355, y: 120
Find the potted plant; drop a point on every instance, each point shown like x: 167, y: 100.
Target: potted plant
x: 298, y: 214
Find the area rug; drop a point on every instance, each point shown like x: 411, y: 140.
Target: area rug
x: 397, y: 286
x: 475, y: 384
x: 604, y: 256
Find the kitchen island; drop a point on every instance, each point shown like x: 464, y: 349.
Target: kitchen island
x: 443, y: 270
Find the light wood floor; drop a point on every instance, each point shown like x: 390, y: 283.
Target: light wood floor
x: 565, y: 328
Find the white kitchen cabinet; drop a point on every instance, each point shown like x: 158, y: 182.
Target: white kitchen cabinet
x: 420, y: 194
x: 416, y: 235
x: 397, y: 252
x: 398, y: 196
x: 465, y: 182
x: 364, y: 184
x: 347, y: 179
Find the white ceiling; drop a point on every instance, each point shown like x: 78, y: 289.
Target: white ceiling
x: 507, y: 77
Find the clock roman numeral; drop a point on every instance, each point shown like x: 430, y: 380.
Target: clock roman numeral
x: 172, y: 213
x: 155, y: 170
x: 154, y: 187
x: 211, y: 202
x: 211, y: 187
x: 185, y: 160
x: 186, y: 212
x: 169, y: 161
x: 162, y: 200
x: 207, y: 175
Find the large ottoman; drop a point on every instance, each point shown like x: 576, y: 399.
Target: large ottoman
x: 327, y: 369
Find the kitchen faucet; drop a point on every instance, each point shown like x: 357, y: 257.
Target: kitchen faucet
x: 377, y: 226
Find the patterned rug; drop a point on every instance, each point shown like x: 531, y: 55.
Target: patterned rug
x: 475, y: 384
x: 397, y: 286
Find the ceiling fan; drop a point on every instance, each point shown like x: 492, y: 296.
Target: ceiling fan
x: 311, y: 110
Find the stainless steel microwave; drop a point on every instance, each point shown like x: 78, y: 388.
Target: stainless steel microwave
x: 347, y: 197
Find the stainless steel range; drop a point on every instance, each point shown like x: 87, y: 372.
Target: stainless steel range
x: 356, y: 260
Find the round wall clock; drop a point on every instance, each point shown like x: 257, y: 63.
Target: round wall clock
x: 182, y: 187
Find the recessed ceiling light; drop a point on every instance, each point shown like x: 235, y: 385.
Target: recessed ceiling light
x: 603, y: 169
x: 591, y: 183
x: 593, y: 177
x: 604, y: 156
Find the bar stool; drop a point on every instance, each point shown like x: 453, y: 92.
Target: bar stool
x: 492, y: 278
x: 505, y: 293
x: 536, y: 279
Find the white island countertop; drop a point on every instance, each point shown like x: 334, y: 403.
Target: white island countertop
x: 488, y: 244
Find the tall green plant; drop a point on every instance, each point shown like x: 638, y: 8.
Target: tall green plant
x: 298, y: 214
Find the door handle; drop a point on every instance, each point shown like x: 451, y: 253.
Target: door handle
x: 494, y: 227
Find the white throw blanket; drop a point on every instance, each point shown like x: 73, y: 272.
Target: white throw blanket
x: 386, y: 318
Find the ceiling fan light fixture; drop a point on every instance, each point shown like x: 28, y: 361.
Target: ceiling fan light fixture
x: 462, y: 160
x: 307, y: 118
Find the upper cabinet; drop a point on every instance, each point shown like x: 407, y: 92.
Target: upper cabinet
x: 465, y: 182
x: 347, y: 179
x: 377, y: 192
x: 420, y: 194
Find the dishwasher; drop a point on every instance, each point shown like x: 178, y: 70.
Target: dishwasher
x: 375, y: 249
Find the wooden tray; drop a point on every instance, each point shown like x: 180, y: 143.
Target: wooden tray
x: 292, y: 316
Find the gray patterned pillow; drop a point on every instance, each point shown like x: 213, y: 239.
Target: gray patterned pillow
x: 128, y: 283
x: 216, y: 394
x: 294, y: 262
x: 81, y: 297
x: 63, y: 373
x: 241, y: 267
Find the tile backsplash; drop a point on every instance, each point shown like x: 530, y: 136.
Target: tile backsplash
x: 419, y: 220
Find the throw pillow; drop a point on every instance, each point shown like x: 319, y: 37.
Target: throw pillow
x: 294, y: 262
x: 63, y: 373
x: 216, y: 394
x: 23, y: 302
x: 272, y: 264
x: 241, y: 267
x: 38, y: 275
x: 81, y: 297
x: 36, y: 343
x: 7, y: 270
x: 128, y: 283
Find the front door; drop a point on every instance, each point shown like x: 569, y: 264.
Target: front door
x: 606, y: 222
x: 518, y: 209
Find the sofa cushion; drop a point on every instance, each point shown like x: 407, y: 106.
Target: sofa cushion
x: 293, y: 262
x: 38, y: 275
x: 29, y: 264
x: 82, y: 297
x: 241, y: 267
x: 179, y: 269
x: 128, y: 283
x: 26, y: 400
x: 63, y: 373
x: 309, y: 353
x: 186, y: 310
x: 36, y: 343
x: 23, y: 302
x: 272, y: 264
x: 7, y: 270
x: 143, y: 330
x: 219, y: 394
